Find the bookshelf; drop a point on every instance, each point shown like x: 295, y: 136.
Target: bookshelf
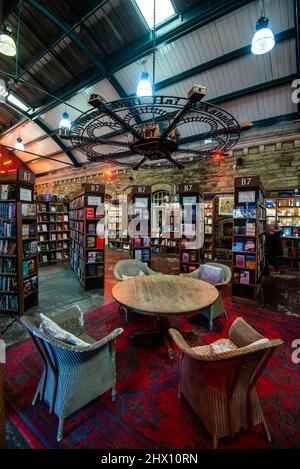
x: 192, y: 226
x: 249, y: 228
x: 87, y: 231
x: 53, y: 228
x: 139, y: 217
x: 117, y: 223
x: 165, y: 230
x: 285, y: 212
x: 18, y: 243
x: 208, y: 247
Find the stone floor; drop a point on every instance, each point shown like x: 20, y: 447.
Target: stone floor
x: 59, y: 288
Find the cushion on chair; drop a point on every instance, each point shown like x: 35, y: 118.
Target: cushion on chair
x: 257, y: 342
x: 50, y: 327
x: 127, y: 277
x: 217, y: 347
x: 212, y: 274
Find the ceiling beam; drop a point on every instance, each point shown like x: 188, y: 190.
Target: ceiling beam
x: 49, y: 133
x: 181, y: 24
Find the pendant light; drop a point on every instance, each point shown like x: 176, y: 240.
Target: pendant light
x: 7, y: 43
x: 144, y: 87
x: 19, y: 144
x: 263, y: 40
x: 65, y: 121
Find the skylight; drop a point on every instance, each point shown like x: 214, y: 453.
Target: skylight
x: 164, y: 9
x: 12, y: 99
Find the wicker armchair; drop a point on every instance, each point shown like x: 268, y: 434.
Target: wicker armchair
x: 218, y: 308
x: 220, y: 387
x: 73, y: 375
x: 132, y: 268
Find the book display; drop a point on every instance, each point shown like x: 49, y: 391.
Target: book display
x: 139, y: 218
x: 53, y: 228
x: 87, y: 233
x: 192, y: 226
x: 249, y: 228
x: 208, y: 248
x: 18, y: 243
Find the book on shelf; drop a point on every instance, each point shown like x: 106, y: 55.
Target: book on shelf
x: 138, y: 254
x: 89, y: 213
x: 250, y: 245
x: 236, y: 277
x: 240, y: 260
x: 185, y: 257
x: 90, y: 242
x: 193, y: 256
x: 8, y: 210
x: 250, y: 229
x: 250, y: 262
x: 91, y: 270
x: 8, y: 229
x: 30, y: 284
x: 145, y: 254
x: 28, y: 210
x: 91, y: 257
x: 100, y: 270
x: 244, y: 277
x: 146, y: 242
x: 238, y: 245
x: 8, y: 266
x: 7, y: 191
x: 100, y: 243
x: 8, y: 284
x: 137, y: 242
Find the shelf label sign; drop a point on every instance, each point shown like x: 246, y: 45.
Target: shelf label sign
x: 26, y: 176
x: 247, y: 181
x: 25, y: 194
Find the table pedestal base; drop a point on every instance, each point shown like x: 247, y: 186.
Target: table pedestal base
x: 156, y: 337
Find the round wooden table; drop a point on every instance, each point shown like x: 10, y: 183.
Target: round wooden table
x: 163, y: 296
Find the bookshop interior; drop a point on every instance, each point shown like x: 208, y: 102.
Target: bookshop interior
x: 150, y: 224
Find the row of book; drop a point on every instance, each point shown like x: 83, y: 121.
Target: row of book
x: 9, y: 302
x: 77, y: 203
x: 144, y: 242
x: 52, y: 256
x: 142, y: 254
x: 189, y: 256
x: 8, y: 229
x: 248, y: 211
x: 28, y: 230
x: 28, y: 210
x: 77, y: 214
x: 8, y: 284
x: 79, y: 237
x: 57, y: 208
x: 30, y: 249
x: 243, y: 261
x: 95, y: 270
x: 53, y: 237
x: 77, y: 248
x: 7, y: 191
x: 8, y: 210
x: 94, y: 257
x: 42, y: 247
x: 8, y: 248
x: 77, y: 225
x: 29, y: 267
x: 242, y: 277
x: 50, y: 227
x: 240, y: 245
x: 8, y: 266
x: 248, y: 230
x: 30, y: 285
x: 52, y: 218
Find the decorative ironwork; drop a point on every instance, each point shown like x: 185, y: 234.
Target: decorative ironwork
x: 156, y: 131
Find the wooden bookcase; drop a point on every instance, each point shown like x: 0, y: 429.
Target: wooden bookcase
x: 18, y: 243
x: 165, y: 238
x: 285, y: 212
x: 208, y: 247
x: 117, y: 223
x: 87, y: 233
x: 249, y: 228
x: 140, y: 209
x: 2, y: 415
x: 190, y: 247
x: 53, y: 229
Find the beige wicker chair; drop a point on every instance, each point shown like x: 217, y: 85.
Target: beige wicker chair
x: 220, y: 387
x: 131, y: 268
x: 218, y: 308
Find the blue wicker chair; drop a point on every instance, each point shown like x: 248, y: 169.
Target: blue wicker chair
x: 73, y: 375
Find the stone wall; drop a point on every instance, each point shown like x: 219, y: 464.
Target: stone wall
x: 272, y: 153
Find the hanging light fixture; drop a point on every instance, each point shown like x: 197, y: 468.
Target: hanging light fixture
x: 144, y: 87
x: 19, y: 144
x: 7, y: 43
x: 263, y: 40
x: 65, y: 121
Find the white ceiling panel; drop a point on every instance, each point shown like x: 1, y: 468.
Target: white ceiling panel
x: 220, y: 37
x: 44, y: 166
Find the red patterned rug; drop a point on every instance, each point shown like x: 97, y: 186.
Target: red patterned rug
x: 146, y: 413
